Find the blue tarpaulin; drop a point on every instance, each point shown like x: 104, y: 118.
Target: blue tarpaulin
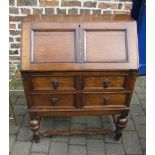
x: 139, y: 13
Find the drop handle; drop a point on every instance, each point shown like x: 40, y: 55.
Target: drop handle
x: 54, y: 101
x: 106, y: 100
x: 55, y: 84
x: 106, y: 83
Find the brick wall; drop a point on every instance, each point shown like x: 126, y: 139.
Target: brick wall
x: 20, y: 8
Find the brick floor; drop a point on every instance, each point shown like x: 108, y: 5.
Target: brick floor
x: 133, y: 141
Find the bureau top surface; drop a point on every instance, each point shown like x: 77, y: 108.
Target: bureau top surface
x: 78, y: 18
x: 79, y: 42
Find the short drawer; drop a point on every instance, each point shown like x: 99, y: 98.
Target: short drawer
x: 104, y: 82
x: 104, y: 99
x: 53, y: 100
x: 53, y: 82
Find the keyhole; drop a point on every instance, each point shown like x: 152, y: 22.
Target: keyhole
x: 79, y: 25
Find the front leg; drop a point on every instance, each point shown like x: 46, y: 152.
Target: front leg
x: 35, y: 126
x: 120, y: 125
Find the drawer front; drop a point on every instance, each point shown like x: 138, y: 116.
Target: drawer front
x: 53, y: 82
x: 104, y: 82
x: 104, y: 99
x: 53, y: 100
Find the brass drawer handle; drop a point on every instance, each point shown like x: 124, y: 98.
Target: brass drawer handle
x: 55, y: 84
x: 106, y: 83
x: 106, y: 100
x: 54, y: 101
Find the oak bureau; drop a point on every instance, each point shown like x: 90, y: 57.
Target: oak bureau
x: 78, y: 65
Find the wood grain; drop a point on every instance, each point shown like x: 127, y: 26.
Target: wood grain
x: 97, y: 82
x: 54, y: 45
x: 98, y: 99
x: 63, y: 100
x: 76, y: 132
x: 45, y: 82
x: 99, y: 47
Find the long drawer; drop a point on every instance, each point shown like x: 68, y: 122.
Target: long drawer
x: 80, y: 100
x: 79, y: 81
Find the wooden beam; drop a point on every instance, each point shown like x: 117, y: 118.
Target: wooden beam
x: 76, y: 132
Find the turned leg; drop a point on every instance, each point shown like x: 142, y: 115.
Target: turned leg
x: 35, y: 126
x: 120, y: 125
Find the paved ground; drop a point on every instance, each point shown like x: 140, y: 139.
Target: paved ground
x: 132, y: 142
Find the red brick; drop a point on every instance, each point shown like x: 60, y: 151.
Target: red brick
x: 14, y: 33
x: 15, y: 18
x: 37, y: 11
x: 18, y: 39
x: 61, y: 11
x: 98, y: 11
x: 121, y: 12
x: 19, y: 26
x: 25, y: 11
x: 49, y: 2
x: 125, y: 0
x: 13, y: 52
x: 12, y: 26
x: 73, y: 11
x: 49, y: 10
x: 10, y: 39
x: 26, y: 2
x: 15, y: 45
x: 127, y: 6
x: 17, y: 62
x: 108, y: 5
x: 13, y: 10
x: 11, y: 2
x: 85, y: 11
x: 70, y: 3
x: 107, y: 12
x: 120, y: 5
x: 14, y: 58
x: 90, y: 4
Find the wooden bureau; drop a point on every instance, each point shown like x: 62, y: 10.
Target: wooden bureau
x: 79, y: 65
